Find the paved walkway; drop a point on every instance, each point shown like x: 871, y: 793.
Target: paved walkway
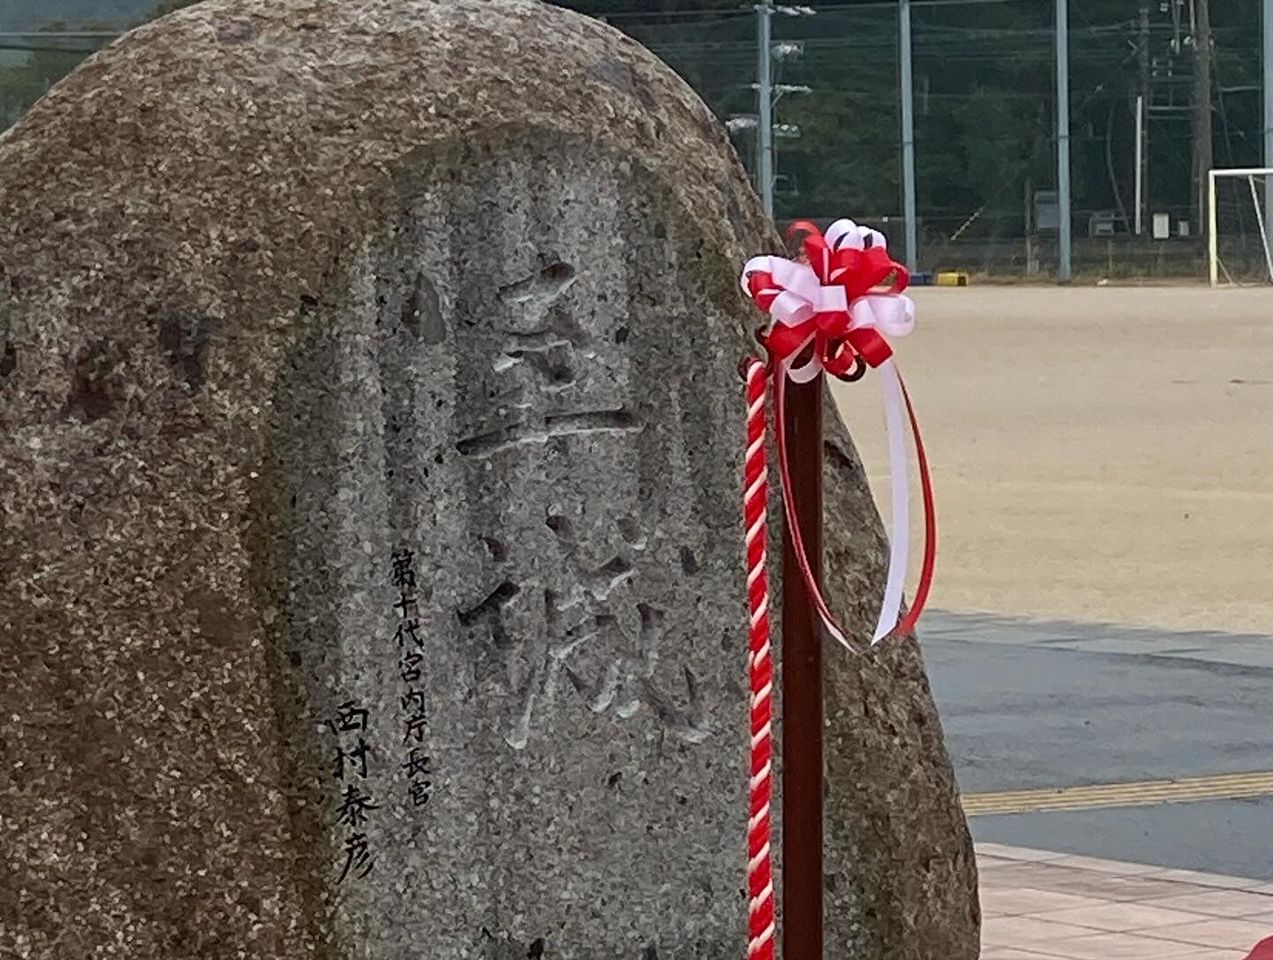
x: 1147, y: 746
x: 1254, y: 650
x: 1038, y: 905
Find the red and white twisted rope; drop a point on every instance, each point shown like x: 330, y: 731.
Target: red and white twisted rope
x: 760, y: 875
x: 830, y: 312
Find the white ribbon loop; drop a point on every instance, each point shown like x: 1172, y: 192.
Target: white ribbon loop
x: 893, y: 315
x: 799, y: 292
x: 840, y: 231
x: 899, y: 494
x: 805, y: 372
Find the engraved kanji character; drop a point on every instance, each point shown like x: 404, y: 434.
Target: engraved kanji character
x: 416, y: 725
x: 357, y: 856
x: 409, y: 668
x: 406, y: 606
x: 417, y: 764
x: 413, y: 700
x: 349, y: 716
x: 419, y: 793
x: 406, y: 634
x: 403, y: 571
x: 356, y: 758
x: 354, y: 805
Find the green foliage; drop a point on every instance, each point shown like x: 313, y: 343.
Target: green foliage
x: 168, y: 6
x: 36, y: 14
x: 37, y: 61
x: 24, y: 81
x: 985, y: 106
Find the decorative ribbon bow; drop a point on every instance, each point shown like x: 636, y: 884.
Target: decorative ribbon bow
x: 842, y: 300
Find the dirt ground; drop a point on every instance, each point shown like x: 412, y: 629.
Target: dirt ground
x: 1099, y: 453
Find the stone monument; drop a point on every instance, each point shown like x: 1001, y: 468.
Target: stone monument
x: 370, y: 547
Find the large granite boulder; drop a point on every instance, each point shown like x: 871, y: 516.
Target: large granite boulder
x: 369, y: 543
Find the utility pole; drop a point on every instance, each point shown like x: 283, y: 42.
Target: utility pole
x: 1202, y: 142
x: 1140, y: 164
x: 765, y: 105
x: 1268, y: 111
x: 1144, y: 100
x: 768, y: 94
x: 908, y: 137
x: 1064, y: 273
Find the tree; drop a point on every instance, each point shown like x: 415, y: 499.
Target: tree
x: 984, y: 91
x: 169, y: 6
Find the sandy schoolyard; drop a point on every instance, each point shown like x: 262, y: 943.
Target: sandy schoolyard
x: 1099, y: 453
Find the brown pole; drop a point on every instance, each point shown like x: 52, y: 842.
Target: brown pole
x: 802, y: 686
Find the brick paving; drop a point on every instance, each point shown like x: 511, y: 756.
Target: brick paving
x: 1038, y: 905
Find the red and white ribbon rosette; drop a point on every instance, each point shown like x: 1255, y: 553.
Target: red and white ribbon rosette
x: 842, y: 300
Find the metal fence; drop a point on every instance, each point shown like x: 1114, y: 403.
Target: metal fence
x: 984, y: 114
x: 985, y: 122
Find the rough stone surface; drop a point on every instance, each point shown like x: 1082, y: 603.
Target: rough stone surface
x: 296, y: 288
x: 903, y: 880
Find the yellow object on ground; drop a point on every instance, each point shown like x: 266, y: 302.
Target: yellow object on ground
x: 1142, y: 793
x: 952, y: 278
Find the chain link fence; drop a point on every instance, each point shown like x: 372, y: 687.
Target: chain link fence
x: 985, y: 109
x: 985, y: 123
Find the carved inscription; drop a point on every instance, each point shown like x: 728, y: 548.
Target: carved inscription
x: 411, y: 666
x: 572, y: 614
x: 354, y: 802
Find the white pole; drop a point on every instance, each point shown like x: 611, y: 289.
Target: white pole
x: 1264, y: 234
x: 1140, y: 161
x: 908, y: 138
x: 1268, y: 108
x: 765, y: 111
x: 1213, y: 246
x: 1063, y: 135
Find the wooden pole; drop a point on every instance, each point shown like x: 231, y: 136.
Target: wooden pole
x: 802, y: 784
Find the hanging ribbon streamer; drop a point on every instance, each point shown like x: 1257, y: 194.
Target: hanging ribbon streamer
x: 832, y: 311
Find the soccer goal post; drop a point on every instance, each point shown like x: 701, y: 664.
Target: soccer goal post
x: 1238, y: 206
